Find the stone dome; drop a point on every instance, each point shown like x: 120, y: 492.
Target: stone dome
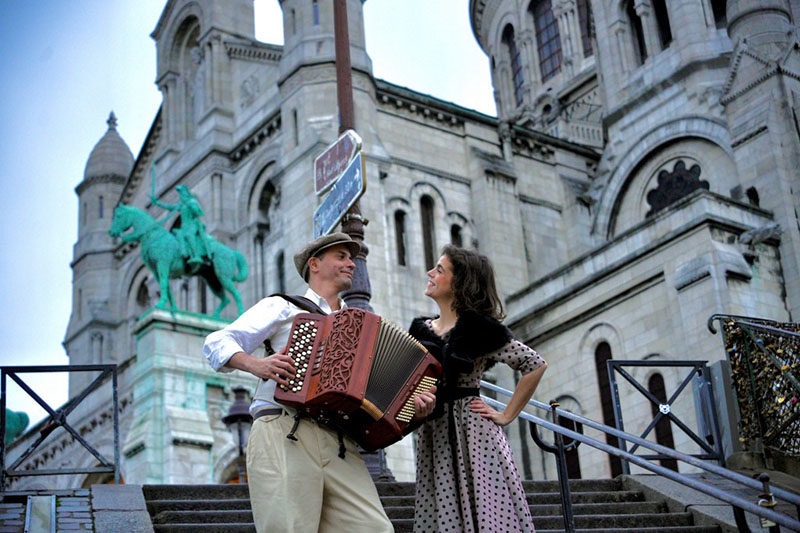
x: 110, y: 156
x: 762, y: 22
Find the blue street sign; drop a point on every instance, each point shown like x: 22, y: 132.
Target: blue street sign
x: 347, y: 189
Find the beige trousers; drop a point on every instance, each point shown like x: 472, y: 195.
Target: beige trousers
x: 304, y: 486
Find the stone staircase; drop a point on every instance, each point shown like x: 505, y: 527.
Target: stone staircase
x: 599, y: 506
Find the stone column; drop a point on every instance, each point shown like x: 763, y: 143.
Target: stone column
x: 168, y: 86
x: 649, y: 26
x: 215, y: 66
x: 564, y: 12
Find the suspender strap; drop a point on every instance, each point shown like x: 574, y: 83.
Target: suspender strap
x: 300, y: 301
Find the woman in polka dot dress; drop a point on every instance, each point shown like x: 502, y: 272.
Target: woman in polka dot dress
x: 466, y: 477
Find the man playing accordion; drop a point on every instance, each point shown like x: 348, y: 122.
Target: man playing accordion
x: 306, y: 483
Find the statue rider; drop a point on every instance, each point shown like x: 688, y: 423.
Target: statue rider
x: 192, y: 233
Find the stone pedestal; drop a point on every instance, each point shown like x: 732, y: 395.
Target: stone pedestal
x: 172, y: 436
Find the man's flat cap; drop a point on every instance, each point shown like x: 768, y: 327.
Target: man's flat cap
x: 320, y: 244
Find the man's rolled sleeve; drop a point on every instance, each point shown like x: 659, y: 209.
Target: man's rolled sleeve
x: 246, y: 333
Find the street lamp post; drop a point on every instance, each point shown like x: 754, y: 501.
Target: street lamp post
x: 238, y: 422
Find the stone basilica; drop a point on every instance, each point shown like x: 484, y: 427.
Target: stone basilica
x: 640, y: 176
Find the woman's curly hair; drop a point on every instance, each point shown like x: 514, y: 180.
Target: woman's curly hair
x: 473, y: 283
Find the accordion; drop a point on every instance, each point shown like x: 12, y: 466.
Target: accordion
x: 358, y: 373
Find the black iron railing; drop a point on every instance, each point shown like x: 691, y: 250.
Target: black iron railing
x: 762, y: 509
x: 58, y: 418
x: 765, y: 366
x: 698, y: 373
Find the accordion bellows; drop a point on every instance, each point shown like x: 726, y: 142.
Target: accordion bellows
x: 357, y: 372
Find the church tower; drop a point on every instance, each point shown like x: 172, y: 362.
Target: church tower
x: 762, y: 105
x: 195, y: 42
x: 89, y: 337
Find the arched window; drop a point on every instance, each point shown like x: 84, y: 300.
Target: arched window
x: 548, y: 40
x: 293, y: 20
x: 192, y: 78
x: 400, y: 236
x: 516, y: 62
x: 83, y: 214
x: 80, y: 303
x: 315, y: 6
x: 637, y: 33
x: 602, y: 354
x: 662, y: 20
x: 586, y: 23
x: 428, y: 234
x: 142, y: 297
x: 97, y: 348
x: 281, y: 274
x: 455, y: 236
x: 720, y: 17
x: 100, y: 207
x: 663, y: 428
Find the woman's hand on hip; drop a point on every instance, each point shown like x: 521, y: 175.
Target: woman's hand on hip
x: 480, y: 407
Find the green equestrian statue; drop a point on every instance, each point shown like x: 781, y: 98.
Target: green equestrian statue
x: 186, y: 251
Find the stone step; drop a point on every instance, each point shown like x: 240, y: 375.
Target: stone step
x: 531, y: 487
x: 627, y: 521
x: 205, y: 528
x: 407, y: 525
x: 627, y: 508
x: 195, y: 492
x: 588, y: 497
x: 659, y: 529
x: 214, y: 516
x: 156, y: 506
x: 624, y: 508
x: 598, y: 505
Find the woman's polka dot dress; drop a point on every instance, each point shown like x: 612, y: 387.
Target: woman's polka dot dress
x: 481, y: 490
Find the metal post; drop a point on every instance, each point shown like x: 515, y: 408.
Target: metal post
x: 612, y: 380
x: 344, y: 77
x: 766, y: 499
x: 353, y: 223
x: 563, y: 477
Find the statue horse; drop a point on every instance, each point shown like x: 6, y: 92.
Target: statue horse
x: 163, y: 255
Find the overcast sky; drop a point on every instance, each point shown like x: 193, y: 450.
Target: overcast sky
x: 65, y: 65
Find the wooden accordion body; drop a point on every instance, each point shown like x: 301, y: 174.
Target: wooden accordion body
x: 357, y: 372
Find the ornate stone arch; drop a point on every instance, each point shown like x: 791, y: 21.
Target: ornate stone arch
x: 135, y: 274
x: 467, y: 231
x: 711, y: 130
x: 503, y: 75
x: 105, y: 447
x: 254, y: 180
x: 393, y: 205
x: 225, y: 461
x: 440, y: 232
x: 597, y: 333
x: 190, y: 13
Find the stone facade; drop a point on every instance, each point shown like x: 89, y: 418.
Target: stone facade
x: 639, y: 148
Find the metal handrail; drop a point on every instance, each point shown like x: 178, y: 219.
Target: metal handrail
x: 58, y: 418
x: 735, y: 501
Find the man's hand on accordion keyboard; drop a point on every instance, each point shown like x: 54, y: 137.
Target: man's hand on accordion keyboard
x: 278, y: 367
x: 424, y: 403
